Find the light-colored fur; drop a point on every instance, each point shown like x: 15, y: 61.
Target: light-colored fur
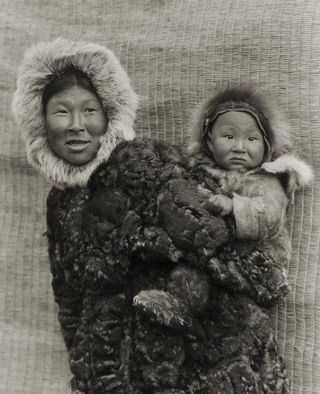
x: 112, y: 84
x: 290, y: 164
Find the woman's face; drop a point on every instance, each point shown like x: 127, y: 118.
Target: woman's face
x: 236, y: 141
x: 75, y: 121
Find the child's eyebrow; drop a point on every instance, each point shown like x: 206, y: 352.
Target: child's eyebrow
x: 255, y: 132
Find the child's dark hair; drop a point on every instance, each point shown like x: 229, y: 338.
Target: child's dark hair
x: 67, y: 79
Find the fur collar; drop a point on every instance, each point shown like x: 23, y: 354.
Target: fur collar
x: 41, y: 63
x: 295, y: 173
x: 298, y: 172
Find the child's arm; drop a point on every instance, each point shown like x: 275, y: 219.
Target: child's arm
x: 220, y: 204
x: 260, y: 211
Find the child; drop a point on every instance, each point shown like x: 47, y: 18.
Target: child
x: 242, y: 142
x: 121, y: 232
x: 239, y: 150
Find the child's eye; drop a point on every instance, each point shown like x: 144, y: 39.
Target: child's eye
x: 252, y: 138
x: 228, y: 136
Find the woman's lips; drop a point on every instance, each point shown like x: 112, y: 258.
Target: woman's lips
x: 77, y: 145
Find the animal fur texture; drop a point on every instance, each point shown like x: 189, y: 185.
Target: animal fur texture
x: 128, y: 247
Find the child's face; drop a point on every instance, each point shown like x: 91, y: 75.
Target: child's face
x: 75, y: 121
x: 236, y: 141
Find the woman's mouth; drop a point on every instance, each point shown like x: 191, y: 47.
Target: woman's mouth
x: 77, y: 145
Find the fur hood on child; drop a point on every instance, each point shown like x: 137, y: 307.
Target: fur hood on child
x: 41, y: 64
x: 272, y: 122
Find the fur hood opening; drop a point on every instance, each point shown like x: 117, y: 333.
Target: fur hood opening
x: 40, y: 65
x: 243, y: 98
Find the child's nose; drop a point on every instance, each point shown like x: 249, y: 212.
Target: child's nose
x: 76, y: 122
x: 239, y: 145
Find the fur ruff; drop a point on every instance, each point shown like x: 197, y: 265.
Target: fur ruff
x: 40, y: 65
x: 290, y: 164
x: 279, y: 138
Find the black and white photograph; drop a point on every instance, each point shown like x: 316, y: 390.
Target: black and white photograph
x: 160, y: 198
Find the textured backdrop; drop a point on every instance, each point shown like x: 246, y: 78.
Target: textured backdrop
x: 176, y: 52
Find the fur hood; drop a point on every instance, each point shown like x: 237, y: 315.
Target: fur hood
x: 242, y: 98
x: 40, y: 65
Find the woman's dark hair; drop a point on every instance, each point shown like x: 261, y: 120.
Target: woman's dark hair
x: 66, y: 80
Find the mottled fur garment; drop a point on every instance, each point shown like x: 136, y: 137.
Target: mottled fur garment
x: 125, y: 250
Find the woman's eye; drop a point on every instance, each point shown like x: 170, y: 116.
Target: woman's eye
x: 90, y: 110
x: 61, y: 111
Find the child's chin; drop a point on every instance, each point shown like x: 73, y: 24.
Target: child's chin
x: 238, y: 167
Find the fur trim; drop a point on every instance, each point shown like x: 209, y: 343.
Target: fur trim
x: 41, y: 63
x: 291, y: 165
x: 276, y: 126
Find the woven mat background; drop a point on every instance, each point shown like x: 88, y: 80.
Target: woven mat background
x: 175, y: 52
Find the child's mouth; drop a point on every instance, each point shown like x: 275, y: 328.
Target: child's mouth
x: 237, y: 160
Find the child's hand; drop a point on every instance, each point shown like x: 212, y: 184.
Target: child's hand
x: 220, y: 204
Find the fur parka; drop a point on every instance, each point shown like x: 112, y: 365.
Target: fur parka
x: 140, y: 218
x: 120, y: 225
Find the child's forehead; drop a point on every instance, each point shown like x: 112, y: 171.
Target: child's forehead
x: 239, y: 120
x: 236, y: 117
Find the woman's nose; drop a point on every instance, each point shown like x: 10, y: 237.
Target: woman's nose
x: 76, y: 122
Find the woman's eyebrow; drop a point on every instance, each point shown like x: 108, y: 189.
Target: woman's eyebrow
x: 60, y: 101
x: 63, y: 101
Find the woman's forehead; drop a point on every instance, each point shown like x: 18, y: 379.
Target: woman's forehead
x: 74, y: 94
